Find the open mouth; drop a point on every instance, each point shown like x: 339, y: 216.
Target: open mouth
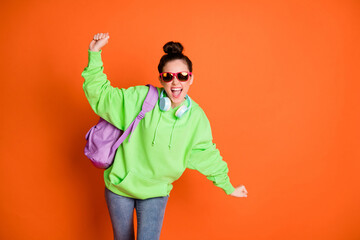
x: 176, y: 92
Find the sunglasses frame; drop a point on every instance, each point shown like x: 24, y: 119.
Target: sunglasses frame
x: 175, y: 75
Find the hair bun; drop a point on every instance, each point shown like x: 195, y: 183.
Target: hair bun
x: 173, y: 48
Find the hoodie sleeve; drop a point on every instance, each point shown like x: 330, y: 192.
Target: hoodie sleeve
x: 206, y: 159
x: 109, y: 102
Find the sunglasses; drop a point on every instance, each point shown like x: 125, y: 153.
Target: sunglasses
x: 169, y: 76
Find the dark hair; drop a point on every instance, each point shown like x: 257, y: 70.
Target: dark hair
x: 173, y: 51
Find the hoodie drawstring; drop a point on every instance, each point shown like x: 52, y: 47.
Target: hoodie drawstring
x: 156, y: 130
x: 157, y: 126
x: 172, y: 131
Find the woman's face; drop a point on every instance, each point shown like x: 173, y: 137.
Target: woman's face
x: 176, y: 90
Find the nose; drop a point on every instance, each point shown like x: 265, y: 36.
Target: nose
x: 175, y: 81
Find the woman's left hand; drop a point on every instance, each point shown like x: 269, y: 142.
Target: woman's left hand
x: 240, y: 191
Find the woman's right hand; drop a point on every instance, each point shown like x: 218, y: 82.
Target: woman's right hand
x: 99, y: 41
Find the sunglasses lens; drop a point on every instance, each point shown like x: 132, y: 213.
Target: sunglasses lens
x: 183, y: 76
x: 167, y: 77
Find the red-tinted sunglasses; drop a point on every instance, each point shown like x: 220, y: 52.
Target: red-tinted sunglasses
x: 169, y: 76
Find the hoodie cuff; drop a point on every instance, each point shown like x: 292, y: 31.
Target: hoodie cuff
x: 228, y: 188
x: 94, y: 59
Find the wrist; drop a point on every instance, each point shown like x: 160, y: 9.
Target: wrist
x: 94, y: 49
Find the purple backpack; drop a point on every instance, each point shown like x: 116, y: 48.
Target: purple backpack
x: 103, y: 139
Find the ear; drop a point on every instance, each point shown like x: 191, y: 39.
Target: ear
x: 191, y: 79
x: 161, y: 82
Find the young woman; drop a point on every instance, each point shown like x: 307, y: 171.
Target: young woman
x: 174, y: 136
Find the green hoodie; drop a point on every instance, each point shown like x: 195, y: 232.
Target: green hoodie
x: 161, y: 147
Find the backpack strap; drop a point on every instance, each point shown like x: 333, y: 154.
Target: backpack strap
x: 151, y: 99
x: 149, y: 103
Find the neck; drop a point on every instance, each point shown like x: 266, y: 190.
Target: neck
x: 174, y: 105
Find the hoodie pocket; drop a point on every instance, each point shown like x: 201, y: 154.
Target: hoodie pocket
x: 140, y: 187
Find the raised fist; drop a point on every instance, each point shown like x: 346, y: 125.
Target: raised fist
x: 99, y: 41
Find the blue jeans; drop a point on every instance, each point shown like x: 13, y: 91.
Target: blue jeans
x: 149, y: 212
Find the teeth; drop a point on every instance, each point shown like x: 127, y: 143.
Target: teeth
x: 175, y: 89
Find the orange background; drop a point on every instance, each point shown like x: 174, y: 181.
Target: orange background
x: 278, y: 80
